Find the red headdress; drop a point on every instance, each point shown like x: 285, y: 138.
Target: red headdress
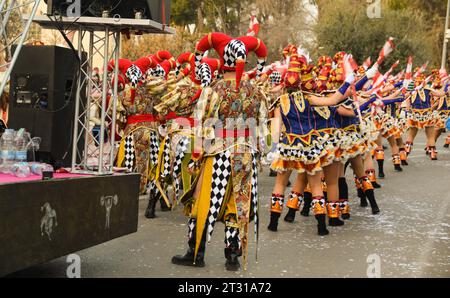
x: 124, y: 64
x: 232, y: 52
x: 339, y: 57
x: 145, y: 63
x: 292, y: 78
x: 160, y: 56
x: 185, y: 58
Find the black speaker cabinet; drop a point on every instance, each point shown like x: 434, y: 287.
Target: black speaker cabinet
x: 42, y: 98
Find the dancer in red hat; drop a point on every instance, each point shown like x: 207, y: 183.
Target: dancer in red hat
x: 177, y: 108
x: 227, y: 160
x: 138, y: 149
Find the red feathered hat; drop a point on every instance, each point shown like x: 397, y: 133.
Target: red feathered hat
x: 233, y: 52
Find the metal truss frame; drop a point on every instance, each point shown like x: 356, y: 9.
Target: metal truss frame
x: 5, y: 14
x: 91, y: 155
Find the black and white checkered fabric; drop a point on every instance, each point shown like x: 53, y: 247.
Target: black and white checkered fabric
x: 166, y: 158
x: 276, y: 199
x: 311, y: 153
x: 293, y: 196
x: 343, y: 204
x: 254, y: 192
x: 134, y: 75
x: 260, y: 66
x: 275, y: 78
x: 177, y: 69
x: 180, y: 152
x: 191, y: 227
x: 157, y: 71
x: 154, y: 148
x: 129, y: 152
x: 232, y: 237
x: 221, y: 175
x: 234, y: 50
x: 197, y: 60
x: 205, y: 75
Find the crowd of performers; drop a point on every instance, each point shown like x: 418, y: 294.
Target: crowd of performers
x: 200, y: 126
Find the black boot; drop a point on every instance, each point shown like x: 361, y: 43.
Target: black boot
x: 164, y: 206
x: 335, y: 222
x: 321, y: 225
x: 273, y: 225
x: 398, y: 168
x: 363, y: 198
x: 272, y: 173
x: 150, y: 211
x: 188, y: 259
x: 290, y: 216
x: 232, y: 262
x: 380, y: 168
x: 373, y: 203
x: 307, y: 204
x: 343, y: 188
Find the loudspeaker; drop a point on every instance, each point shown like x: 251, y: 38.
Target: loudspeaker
x: 42, y: 99
x: 156, y: 10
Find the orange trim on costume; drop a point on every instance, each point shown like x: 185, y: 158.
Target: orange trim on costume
x: 210, y: 40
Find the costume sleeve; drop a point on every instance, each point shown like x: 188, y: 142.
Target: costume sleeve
x: 360, y: 84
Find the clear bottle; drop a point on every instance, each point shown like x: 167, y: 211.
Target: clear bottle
x: 7, y: 151
x: 21, y: 142
x: 21, y: 170
x: 38, y: 168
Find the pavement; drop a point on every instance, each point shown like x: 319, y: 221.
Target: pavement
x: 409, y: 238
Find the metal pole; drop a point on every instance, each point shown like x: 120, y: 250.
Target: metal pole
x: 7, y: 15
x: 444, y: 48
x: 114, y: 98
x: 88, y: 99
x: 77, y: 104
x: 19, y: 46
x: 2, y: 4
x: 104, y: 95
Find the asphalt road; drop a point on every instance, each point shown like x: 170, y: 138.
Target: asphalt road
x: 410, y: 238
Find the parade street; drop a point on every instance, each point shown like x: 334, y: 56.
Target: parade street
x: 410, y: 237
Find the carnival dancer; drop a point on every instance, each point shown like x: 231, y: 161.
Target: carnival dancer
x: 386, y: 119
x: 441, y: 104
x: 307, y: 146
x: 226, y: 189
x: 421, y: 116
x: 177, y: 108
x: 139, y: 145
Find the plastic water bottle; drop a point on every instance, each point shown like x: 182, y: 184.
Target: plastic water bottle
x: 7, y: 151
x: 21, y: 170
x: 21, y: 142
x: 38, y: 168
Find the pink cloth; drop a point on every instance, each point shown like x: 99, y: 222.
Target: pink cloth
x: 6, y: 178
